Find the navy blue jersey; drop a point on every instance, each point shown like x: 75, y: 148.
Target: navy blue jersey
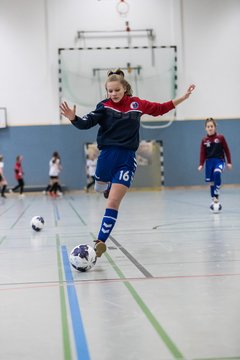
x: 119, y: 122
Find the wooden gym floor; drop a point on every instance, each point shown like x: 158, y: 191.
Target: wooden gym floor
x: 167, y: 288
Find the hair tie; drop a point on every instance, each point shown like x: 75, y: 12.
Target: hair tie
x: 117, y: 72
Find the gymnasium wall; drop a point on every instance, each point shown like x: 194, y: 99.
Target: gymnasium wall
x: 181, y: 143
x: 206, y: 34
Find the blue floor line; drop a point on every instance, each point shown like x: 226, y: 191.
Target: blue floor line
x: 78, y: 328
x: 57, y: 215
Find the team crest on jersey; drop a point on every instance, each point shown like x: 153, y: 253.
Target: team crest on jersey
x: 216, y: 141
x: 134, y: 105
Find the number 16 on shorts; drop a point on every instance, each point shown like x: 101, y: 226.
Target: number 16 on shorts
x: 126, y: 177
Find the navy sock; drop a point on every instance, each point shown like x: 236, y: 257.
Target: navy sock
x: 217, y: 182
x: 212, y: 190
x: 108, y: 222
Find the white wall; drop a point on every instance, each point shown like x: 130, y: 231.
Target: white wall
x: 26, y: 86
x: 206, y: 33
x: 211, y: 56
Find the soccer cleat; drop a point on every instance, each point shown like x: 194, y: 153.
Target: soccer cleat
x: 100, y: 247
x: 215, y: 200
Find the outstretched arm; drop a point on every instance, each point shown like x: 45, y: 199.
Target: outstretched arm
x: 87, y: 121
x: 185, y: 96
x: 67, y: 111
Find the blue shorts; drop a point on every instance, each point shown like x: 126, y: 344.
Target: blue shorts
x: 116, y: 165
x: 211, y: 165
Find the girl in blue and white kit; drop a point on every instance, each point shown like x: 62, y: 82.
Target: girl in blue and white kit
x: 118, y: 118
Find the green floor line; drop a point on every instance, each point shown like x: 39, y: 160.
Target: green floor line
x: 2, y: 239
x: 83, y: 222
x: 65, y: 328
x: 164, y: 336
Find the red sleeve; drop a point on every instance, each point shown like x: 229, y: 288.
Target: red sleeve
x: 202, y: 153
x: 226, y: 150
x: 156, y: 109
x: 17, y: 169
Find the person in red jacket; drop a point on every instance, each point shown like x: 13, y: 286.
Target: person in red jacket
x: 118, y: 118
x: 18, y: 170
x: 214, y: 152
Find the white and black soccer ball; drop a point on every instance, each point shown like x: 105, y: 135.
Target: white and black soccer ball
x: 216, y: 207
x: 83, y: 257
x: 37, y: 223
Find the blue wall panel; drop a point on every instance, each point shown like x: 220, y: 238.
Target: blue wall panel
x: 181, y: 142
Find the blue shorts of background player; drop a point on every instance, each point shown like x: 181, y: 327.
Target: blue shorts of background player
x: 213, y: 170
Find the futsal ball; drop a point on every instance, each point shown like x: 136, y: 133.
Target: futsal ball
x: 37, y: 223
x: 83, y: 257
x: 216, y: 207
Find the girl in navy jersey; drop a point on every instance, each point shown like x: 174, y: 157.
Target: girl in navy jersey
x: 213, y: 151
x: 118, y: 118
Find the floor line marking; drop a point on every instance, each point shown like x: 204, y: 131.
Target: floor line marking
x: 139, y: 266
x: 23, y: 212
x: 56, y: 213
x: 151, y: 318
x: 7, y: 209
x: 64, y: 318
x: 2, y: 239
x: 78, y: 328
x: 38, y: 284
x: 156, y: 325
x: 78, y: 215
